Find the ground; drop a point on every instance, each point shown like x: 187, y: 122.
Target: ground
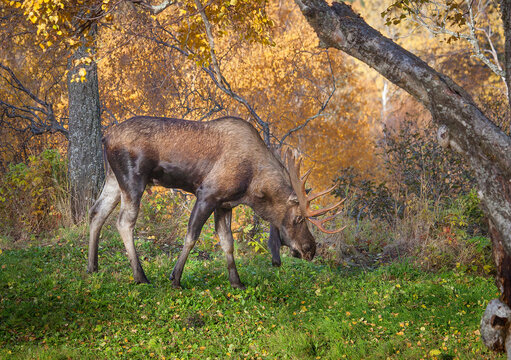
x: 50, y: 308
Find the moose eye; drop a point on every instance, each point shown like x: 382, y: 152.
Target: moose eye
x: 298, y: 219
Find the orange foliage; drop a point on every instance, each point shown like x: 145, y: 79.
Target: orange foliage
x: 286, y: 83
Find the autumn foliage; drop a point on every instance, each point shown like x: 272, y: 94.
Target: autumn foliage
x: 332, y: 110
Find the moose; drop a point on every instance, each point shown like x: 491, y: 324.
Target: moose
x: 224, y: 163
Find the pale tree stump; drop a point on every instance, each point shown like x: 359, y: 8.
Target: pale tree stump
x: 495, y: 329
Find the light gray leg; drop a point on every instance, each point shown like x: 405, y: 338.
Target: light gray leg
x: 200, y: 213
x: 125, y: 224
x: 102, y: 208
x: 223, y: 228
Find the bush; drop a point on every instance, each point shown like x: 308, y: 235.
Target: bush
x: 34, y: 196
x: 164, y: 216
x: 425, y: 205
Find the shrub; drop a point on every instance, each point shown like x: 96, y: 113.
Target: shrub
x: 164, y: 216
x: 34, y: 196
x: 425, y: 205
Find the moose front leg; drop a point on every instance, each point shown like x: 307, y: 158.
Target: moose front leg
x: 274, y: 244
x: 223, y: 228
x: 200, y: 213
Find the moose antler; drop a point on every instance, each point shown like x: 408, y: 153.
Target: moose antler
x: 305, y: 200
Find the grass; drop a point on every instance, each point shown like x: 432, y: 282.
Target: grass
x: 50, y: 308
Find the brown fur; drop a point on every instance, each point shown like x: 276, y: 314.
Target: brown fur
x: 223, y: 162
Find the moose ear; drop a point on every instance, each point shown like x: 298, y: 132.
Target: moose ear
x: 293, y: 199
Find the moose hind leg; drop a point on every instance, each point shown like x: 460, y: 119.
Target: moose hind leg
x: 200, y: 213
x: 125, y: 225
x: 223, y: 228
x: 102, y: 208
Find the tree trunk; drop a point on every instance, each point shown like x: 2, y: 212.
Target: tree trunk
x: 85, y: 168
x: 462, y: 125
x: 505, y: 8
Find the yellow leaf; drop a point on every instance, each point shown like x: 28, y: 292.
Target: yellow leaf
x: 434, y: 352
x: 82, y: 72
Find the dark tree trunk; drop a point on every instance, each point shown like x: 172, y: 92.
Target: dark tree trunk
x: 505, y: 8
x: 462, y: 125
x: 85, y: 172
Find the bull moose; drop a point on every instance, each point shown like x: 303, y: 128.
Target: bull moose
x: 224, y: 163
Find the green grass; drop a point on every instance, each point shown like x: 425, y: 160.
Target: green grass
x: 50, y: 308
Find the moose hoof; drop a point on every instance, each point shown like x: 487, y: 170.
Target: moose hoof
x: 238, y: 286
x: 276, y: 263
x: 142, y: 279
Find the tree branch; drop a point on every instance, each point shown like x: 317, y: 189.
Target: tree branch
x: 216, y: 75
x: 39, y: 118
x: 506, y: 20
x: 321, y: 109
x: 154, y: 9
x: 431, y: 24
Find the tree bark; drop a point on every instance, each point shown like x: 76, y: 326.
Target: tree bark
x: 505, y: 9
x: 85, y: 167
x: 464, y: 127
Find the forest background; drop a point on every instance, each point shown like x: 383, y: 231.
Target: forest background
x: 349, y: 124
x: 408, y: 199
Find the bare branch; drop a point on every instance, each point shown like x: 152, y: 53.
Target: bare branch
x: 216, y: 75
x: 321, y: 109
x: 211, y: 41
x: 495, y: 67
x: 37, y: 118
x: 472, y: 17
